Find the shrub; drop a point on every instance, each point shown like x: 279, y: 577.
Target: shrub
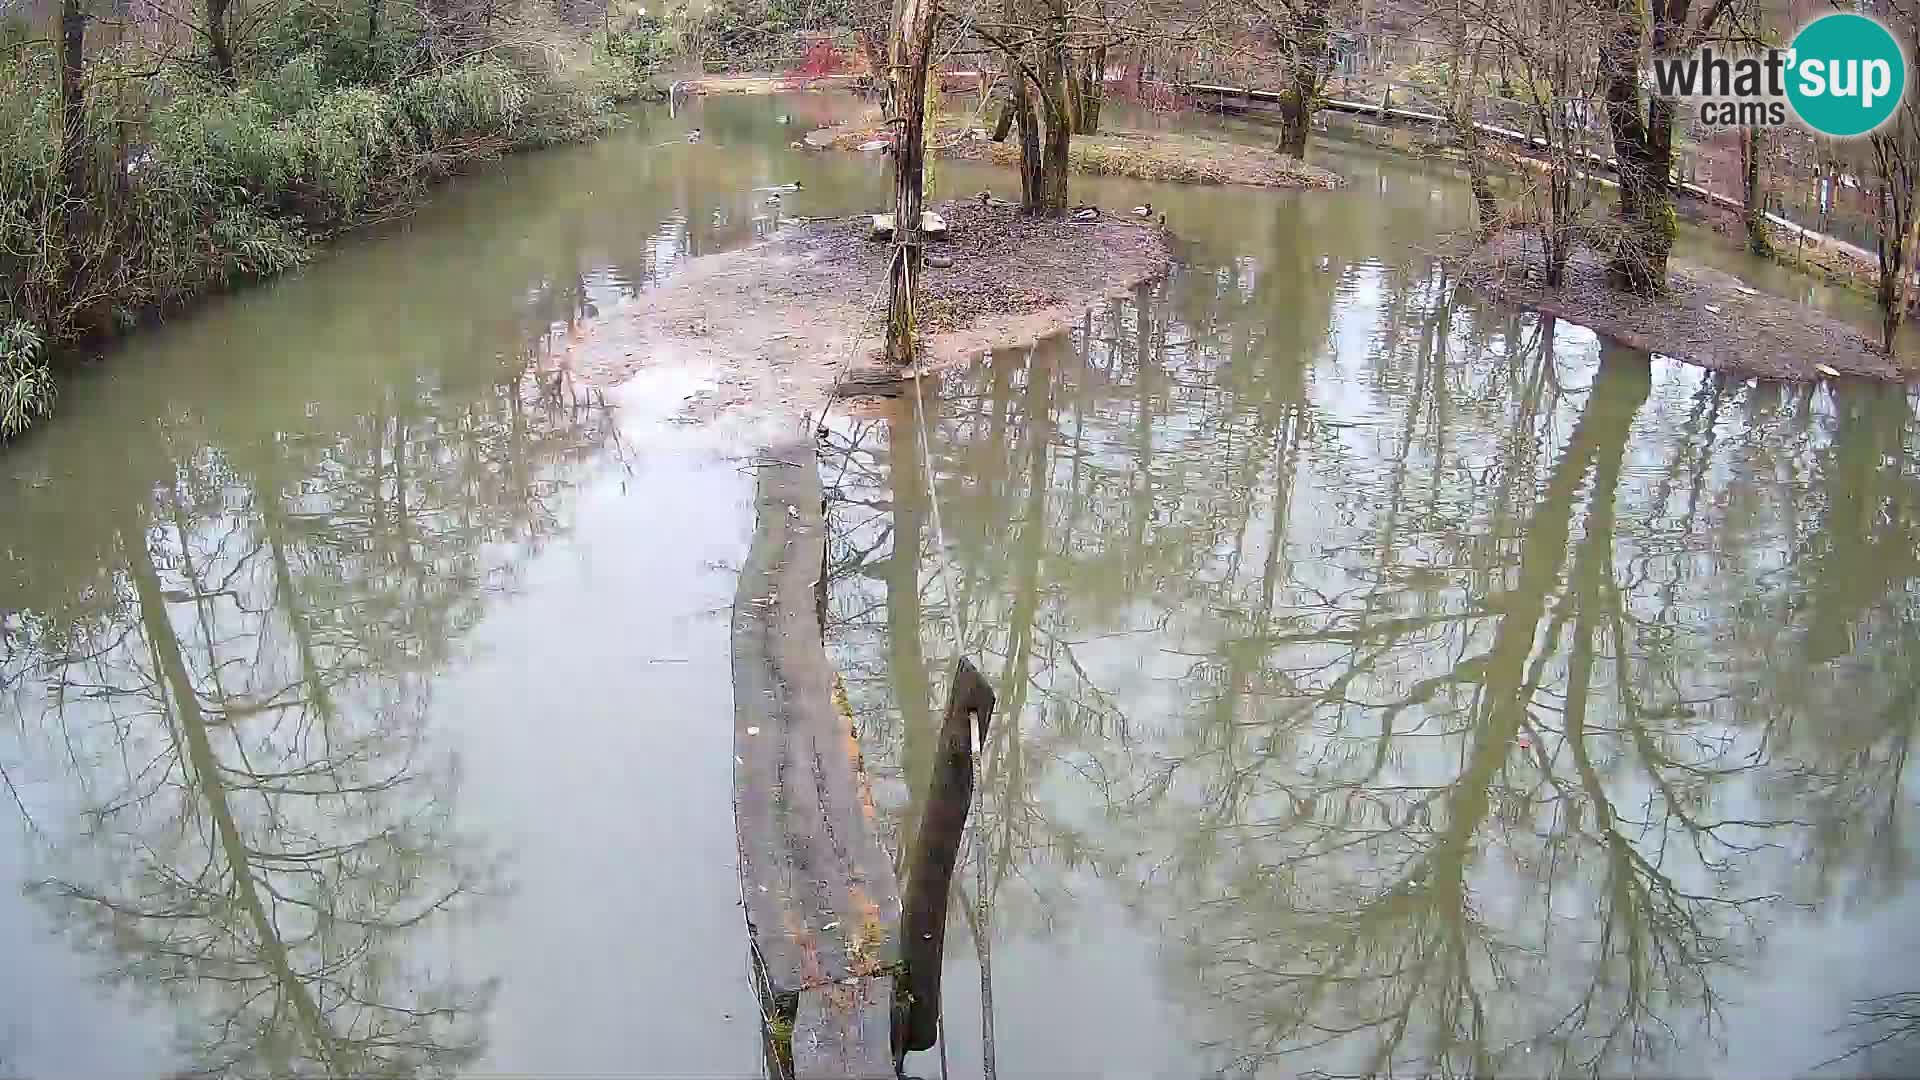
x: 26, y: 386
x: 640, y: 48
x: 197, y: 186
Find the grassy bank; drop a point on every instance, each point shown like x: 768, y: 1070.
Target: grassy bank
x: 177, y: 179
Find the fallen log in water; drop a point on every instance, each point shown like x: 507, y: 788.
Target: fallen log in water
x: 822, y: 904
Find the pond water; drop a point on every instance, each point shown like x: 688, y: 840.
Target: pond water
x: 1385, y: 678
x: 1391, y: 683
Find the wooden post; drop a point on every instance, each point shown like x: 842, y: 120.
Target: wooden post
x: 930, y: 877
x: 912, y: 52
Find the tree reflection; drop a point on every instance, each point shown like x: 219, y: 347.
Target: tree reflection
x: 237, y: 701
x: 1451, y: 722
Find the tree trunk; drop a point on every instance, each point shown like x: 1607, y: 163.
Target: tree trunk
x: 1894, y: 221
x: 911, y: 54
x: 219, y: 42
x: 1486, y: 207
x: 1004, y: 122
x: 73, y: 99
x: 1752, y: 150
x: 1072, y: 86
x: 373, y: 26
x: 876, y: 60
x: 1059, y: 139
x: 1028, y: 121
x: 1307, y: 49
x: 1294, y: 122
x: 72, y: 206
x: 1092, y: 93
x: 1643, y: 145
x: 1559, y: 225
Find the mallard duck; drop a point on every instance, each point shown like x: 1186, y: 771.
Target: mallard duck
x: 1086, y: 214
x: 693, y: 135
x: 1144, y: 210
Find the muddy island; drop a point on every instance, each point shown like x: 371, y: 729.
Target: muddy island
x: 786, y: 319
x: 1166, y: 156
x: 1707, y: 317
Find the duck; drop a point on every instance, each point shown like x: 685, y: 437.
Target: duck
x: 1086, y: 214
x: 1144, y: 210
x: 783, y: 119
x: 693, y: 135
x: 773, y: 199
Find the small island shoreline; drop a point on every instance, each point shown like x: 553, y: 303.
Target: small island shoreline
x: 1707, y: 317
x: 1163, y: 156
x: 782, y: 324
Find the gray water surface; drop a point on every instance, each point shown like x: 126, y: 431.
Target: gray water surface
x: 1394, y: 684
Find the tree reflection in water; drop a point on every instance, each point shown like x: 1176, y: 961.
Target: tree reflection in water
x: 1460, y: 694
x: 226, y: 684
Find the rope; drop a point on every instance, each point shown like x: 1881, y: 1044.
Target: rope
x: 853, y: 350
x: 939, y: 533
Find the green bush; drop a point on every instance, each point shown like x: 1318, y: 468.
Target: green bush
x: 26, y: 385
x: 196, y: 187
x: 641, y: 48
x: 337, y: 44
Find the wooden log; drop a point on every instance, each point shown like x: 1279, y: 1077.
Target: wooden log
x: 842, y: 1030
x: 930, y: 875
x: 822, y: 903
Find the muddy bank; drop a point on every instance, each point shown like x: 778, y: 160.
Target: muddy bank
x: 1171, y: 157
x: 778, y: 322
x: 1708, y: 317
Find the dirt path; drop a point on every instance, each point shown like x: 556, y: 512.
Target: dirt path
x: 1708, y: 318
x: 774, y: 325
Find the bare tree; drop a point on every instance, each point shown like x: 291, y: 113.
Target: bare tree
x: 1642, y: 124
x: 1895, y: 149
x: 911, y: 53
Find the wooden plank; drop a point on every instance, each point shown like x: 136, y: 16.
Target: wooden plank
x: 822, y: 903
x: 842, y: 1030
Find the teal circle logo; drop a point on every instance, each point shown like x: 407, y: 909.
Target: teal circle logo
x: 1846, y: 75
